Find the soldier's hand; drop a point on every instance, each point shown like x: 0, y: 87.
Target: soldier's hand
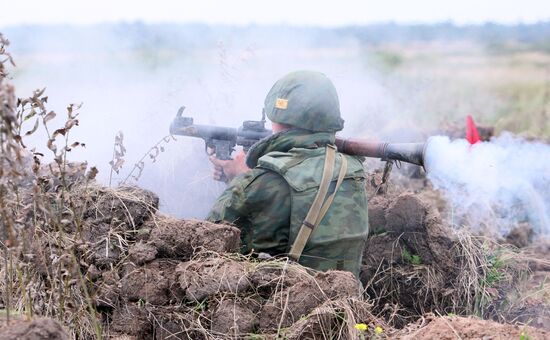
x: 225, y: 171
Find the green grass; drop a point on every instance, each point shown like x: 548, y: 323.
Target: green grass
x: 410, y: 258
x: 442, y: 83
x: 496, y: 271
x: 387, y: 59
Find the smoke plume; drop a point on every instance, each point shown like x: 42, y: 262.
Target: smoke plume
x: 496, y: 184
x: 133, y: 77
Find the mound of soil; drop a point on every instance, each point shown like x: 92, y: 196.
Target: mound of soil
x: 521, y: 236
x: 284, y: 308
x: 235, y: 316
x: 451, y: 328
x: 410, y: 260
x: 157, y: 277
x: 213, y: 296
x: 414, y: 263
x: 181, y: 239
x: 207, y: 277
x: 160, y: 277
x: 154, y: 283
x: 36, y: 329
x: 122, y: 209
x: 336, y: 319
x: 132, y: 320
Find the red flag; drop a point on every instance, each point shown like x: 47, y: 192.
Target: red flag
x: 472, y: 135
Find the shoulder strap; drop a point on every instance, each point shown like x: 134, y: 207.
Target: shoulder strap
x: 318, y: 209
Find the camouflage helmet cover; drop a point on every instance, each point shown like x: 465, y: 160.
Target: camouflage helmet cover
x: 305, y: 99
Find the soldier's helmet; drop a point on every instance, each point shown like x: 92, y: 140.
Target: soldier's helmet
x: 305, y: 99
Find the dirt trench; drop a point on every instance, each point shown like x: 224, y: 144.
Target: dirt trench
x: 415, y: 263
x: 157, y: 277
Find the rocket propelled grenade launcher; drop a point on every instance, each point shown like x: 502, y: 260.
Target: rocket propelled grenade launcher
x: 405, y: 152
x: 222, y: 140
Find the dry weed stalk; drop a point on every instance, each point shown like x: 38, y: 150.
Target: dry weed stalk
x: 118, y: 155
x: 490, y: 272
x: 37, y: 208
x: 483, y: 277
x: 118, y: 160
x: 152, y: 153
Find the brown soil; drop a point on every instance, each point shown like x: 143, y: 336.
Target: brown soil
x: 141, y: 253
x: 451, y: 328
x: 132, y: 320
x: 336, y: 319
x: 287, y: 306
x: 181, y: 239
x: 531, y: 312
x: 128, y: 207
x: 269, y: 278
x: 107, y: 289
x: 154, y: 283
x: 36, y: 329
x: 235, y: 316
x: 377, y: 214
x: 201, y: 279
x: 171, y: 326
x: 521, y: 236
x: 163, y: 278
x: 411, y: 261
x: 533, y: 299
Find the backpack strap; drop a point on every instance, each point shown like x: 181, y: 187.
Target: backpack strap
x: 321, y: 203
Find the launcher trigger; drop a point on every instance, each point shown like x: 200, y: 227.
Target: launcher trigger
x: 209, y: 148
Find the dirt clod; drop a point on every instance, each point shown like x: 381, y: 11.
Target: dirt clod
x: 377, y: 214
x: 37, y: 329
x: 412, y: 258
x: 141, y: 253
x: 234, y: 317
x: 107, y: 290
x: 270, y: 277
x: 174, y: 330
x: 204, y: 278
x: 132, y: 320
x: 153, y: 283
x: 179, y: 238
x: 521, y: 236
x: 125, y: 207
x: 287, y: 306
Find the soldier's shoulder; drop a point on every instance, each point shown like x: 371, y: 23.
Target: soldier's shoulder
x: 256, y: 177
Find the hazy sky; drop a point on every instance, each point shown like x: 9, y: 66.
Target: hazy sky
x: 296, y: 12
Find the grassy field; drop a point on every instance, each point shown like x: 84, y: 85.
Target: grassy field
x: 507, y: 89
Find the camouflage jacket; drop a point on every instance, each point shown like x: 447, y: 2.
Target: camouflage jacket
x: 270, y: 202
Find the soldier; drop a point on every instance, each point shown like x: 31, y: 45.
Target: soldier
x: 294, y: 194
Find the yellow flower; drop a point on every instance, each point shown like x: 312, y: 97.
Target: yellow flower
x: 378, y: 330
x: 361, y: 327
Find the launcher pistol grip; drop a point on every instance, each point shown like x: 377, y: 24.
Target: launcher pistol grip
x: 221, y: 148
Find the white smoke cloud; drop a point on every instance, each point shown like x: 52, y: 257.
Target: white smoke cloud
x: 134, y: 77
x: 134, y: 81
x: 493, y: 184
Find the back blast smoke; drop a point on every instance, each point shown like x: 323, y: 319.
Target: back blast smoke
x: 493, y: 185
